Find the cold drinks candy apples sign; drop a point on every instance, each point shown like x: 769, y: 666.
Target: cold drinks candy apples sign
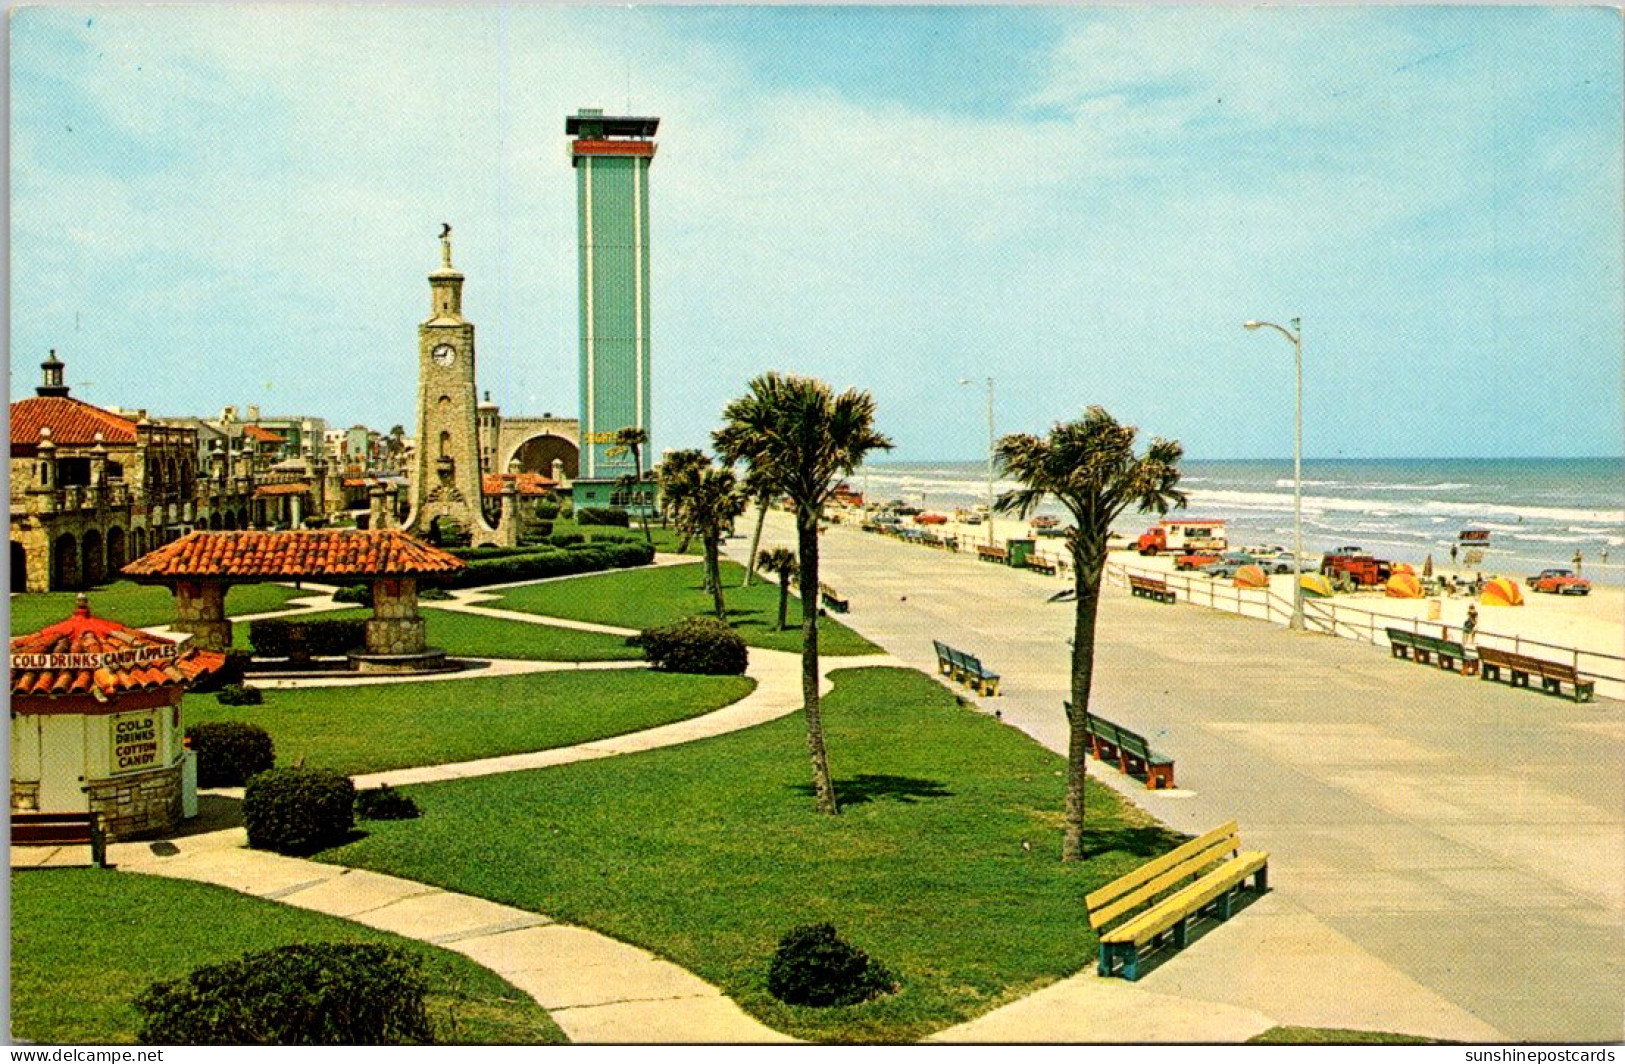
x: 144, y: 657
x: 135, y: 741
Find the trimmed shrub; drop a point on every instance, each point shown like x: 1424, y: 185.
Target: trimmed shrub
x: 697, y: 645
x: 602, y: 515
x: 566, y: 539
x: 232, y: 672
x: 535, y: 534
x: 355, y: 594
x: 814, y: 966
x: 298, y: 810
x: 318, y: 993
x: 385, y: 803
x: 277, y: 637
x: 239, y: 694
x: 230, y: 752
x: 547, y: 509
x: 504, y: 567
x: 433, y: 594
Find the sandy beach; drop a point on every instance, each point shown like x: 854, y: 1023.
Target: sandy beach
x: 1594, y: 623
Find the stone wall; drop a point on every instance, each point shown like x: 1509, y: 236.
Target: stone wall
x: 144, y: 803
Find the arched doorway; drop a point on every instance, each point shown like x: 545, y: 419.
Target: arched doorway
x: 65, y: 563
x: 536, y: 455
x: 93, y: 570
x: 19, y: 567
x: 231, y: 521
x: 117, y: 549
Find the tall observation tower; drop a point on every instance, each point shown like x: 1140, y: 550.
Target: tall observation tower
x: 611, y: 156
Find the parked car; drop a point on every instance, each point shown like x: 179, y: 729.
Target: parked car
x: 1273, y: 559
x: 1560, y: 582
x: 1195, y: 561
x: 1230, y: 561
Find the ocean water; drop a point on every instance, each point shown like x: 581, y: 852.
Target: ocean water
x: 1538, y: 511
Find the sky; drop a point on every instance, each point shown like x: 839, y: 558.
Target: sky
x: 238, y: 205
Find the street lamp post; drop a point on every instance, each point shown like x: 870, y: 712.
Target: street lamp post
x: 990, y: 447
x: 1295, y: 335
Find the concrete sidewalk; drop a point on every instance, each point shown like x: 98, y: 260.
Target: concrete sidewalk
x: 1448, y: 856
x: 596, y: 988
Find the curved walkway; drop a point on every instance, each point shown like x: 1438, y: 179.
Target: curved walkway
x: 596, y: 988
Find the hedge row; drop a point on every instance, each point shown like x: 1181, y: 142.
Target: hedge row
x: 276, y: 637
x: 533, y: 565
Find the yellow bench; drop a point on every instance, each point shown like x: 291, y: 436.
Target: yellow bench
x: 1167, y: 894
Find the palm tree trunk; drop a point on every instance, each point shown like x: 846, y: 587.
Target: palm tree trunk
x: 755, y: 542
x: 637, y: 494
x: 1088, y: 559
x: 713, y: 573
x: 807, y: 541
x: 784, y: 597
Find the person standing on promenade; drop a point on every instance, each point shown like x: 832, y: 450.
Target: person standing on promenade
x: 1469, y: 627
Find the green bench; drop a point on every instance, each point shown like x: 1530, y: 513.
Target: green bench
x: 1138, y: 911
x: 61, y: 829
x: 966, y: 669
x: 1145, y: 587
x: 1128, y: 749
x: 831, y: 600
x: 1423, y: 649
x: 1553, y: 675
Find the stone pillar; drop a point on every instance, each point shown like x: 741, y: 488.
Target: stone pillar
x: 375, y: 508
x: 98, y: 465
x: 296, y: 504
x: 393, y: 517
x: 508, y: 528
x: 395, y: 627
x: 200, y: 608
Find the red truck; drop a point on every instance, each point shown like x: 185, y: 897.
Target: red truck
x: 1183, y: 536
x: 1348, y: 566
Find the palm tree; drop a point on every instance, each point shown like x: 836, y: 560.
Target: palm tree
x: 763, y: 494
x: 795, y: 433
x: 674, y: 473
x: 1090, y: 467
x: 705, y: 504
x: 781, y: 562
x: 635, y: 440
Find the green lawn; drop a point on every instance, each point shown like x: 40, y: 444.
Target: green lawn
x: 384, y: 726
x: 665, y: 540
x: 643, y: 598
x: 707, y: 853
x: 468, y: 635
x: 1332, y: 1036
x: 84, y: 942
x: 137, y: 605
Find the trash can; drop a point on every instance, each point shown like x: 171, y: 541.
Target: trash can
x: 1020, y: 550
x: 1433, y: 609
x: 189, y: 785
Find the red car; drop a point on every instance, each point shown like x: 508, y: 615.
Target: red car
x: 1560, y: 582
x: 1195, y: 561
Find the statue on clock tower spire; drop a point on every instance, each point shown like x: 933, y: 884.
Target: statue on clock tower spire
x: 446, y: 484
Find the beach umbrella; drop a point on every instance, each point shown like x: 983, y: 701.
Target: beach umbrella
x: 1251, y: 576
x: 1403, y: 567
x: 1315, y: 585
x: 1501, y: 592
x: 1403, y: 586
x: 1427, y: 567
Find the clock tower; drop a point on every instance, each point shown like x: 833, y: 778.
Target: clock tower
x: 446, y: 473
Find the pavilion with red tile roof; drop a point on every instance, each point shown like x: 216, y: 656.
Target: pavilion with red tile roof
x: 200, y: 567
x: 95, y: 721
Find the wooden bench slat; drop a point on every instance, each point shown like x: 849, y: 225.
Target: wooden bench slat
x: 1196, y: 865
x: 1189, y: 900
x: 1151, y: 869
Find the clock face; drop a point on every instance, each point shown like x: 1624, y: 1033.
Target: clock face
x: 444, y: 354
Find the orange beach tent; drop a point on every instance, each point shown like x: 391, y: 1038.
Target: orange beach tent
x: 1403, y: 567
x: 1251, y: 576
x: 1501, y: 592
x: 1404, y: 586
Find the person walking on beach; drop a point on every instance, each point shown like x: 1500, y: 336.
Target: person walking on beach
x: 1579, y: 560
x: 1452, y: 554
x: 1469, y: 627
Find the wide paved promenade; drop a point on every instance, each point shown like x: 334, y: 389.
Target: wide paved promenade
x: 1448, y: 855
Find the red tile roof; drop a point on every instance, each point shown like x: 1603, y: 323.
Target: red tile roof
x: 529, y: 483
x: 283, y: 489
x: 263, y: 435
x: 91, y: 655
x: 72, y: 423
x: 292, y: 555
